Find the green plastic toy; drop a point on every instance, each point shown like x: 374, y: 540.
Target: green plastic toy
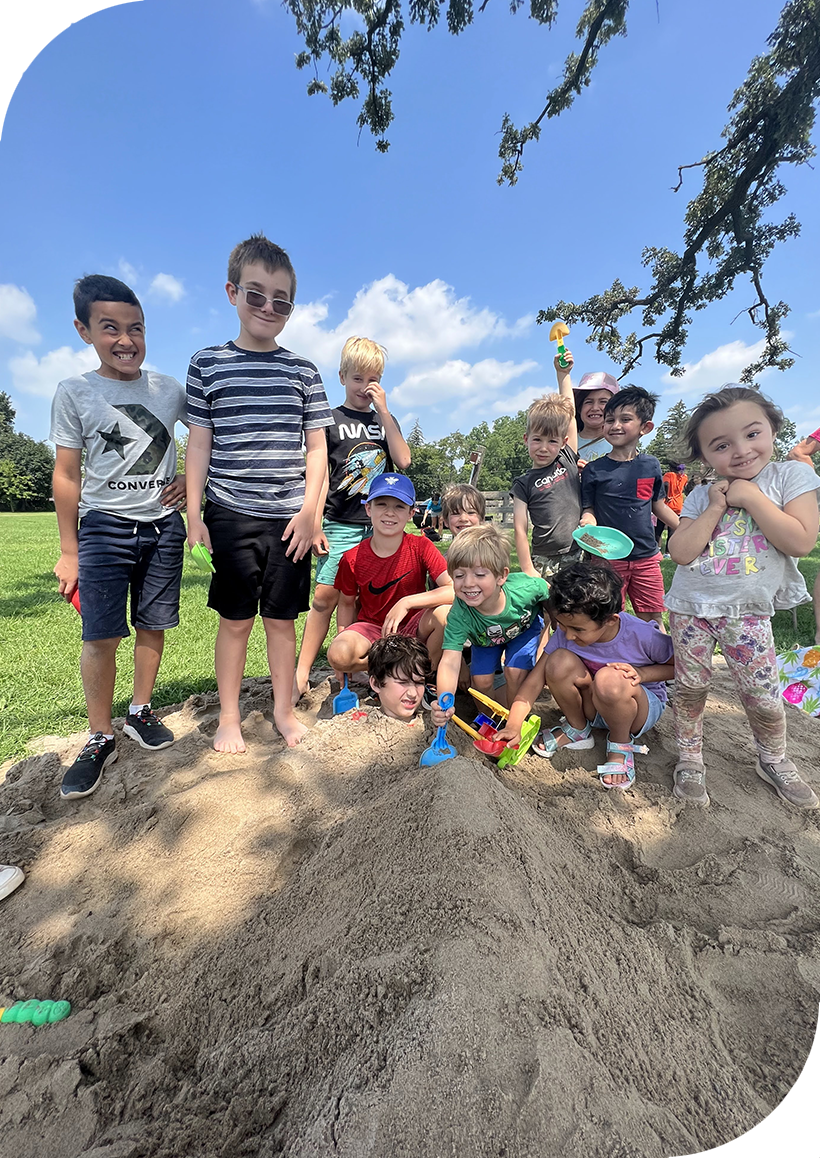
x: 607, y: 542
x: 202, y: 557
x: 529, y: 730
x: 35, y: 1012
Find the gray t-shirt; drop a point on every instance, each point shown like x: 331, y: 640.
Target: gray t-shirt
x: 740, y: 572
x: 127, y: 431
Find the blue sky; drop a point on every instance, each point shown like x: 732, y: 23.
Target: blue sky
x: 148, y: 138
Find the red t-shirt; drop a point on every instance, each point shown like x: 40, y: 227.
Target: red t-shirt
x: 381, y: 583
x: 675, y: 483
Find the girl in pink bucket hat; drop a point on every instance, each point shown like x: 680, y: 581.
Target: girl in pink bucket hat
x: 591, y: 396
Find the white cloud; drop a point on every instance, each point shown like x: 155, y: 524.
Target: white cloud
x: 166, y: 286
x: 462, y: 388
x: 127, y: 272
x: 17, y: 315
x: 725, y: 364
x: 40, y: 376
x: 427, y: 322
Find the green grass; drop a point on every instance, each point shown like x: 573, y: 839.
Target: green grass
x: 40, y: 688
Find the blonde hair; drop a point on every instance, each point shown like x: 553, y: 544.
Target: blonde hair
x: 363, y: 355
x: 462, y: 497
x: 483, y: 546
x: 550, y: 415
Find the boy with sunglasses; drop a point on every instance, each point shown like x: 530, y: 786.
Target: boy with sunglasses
x: 251, y: 404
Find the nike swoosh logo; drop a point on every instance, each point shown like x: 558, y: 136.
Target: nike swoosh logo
x: 381, y: 590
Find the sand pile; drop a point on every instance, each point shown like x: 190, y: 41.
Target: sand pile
x: 329, y: 950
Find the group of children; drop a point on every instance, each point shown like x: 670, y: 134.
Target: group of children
x: 283, y: 476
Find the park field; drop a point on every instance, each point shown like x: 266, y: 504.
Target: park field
x: 40, y: 688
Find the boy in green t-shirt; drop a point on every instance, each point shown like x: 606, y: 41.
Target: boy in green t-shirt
x: 497, y: 611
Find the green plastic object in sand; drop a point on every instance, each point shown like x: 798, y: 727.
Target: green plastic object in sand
x: 529, y: 730
x: 603, y: 541
x: 202, y: 557
x: 35, y: 1012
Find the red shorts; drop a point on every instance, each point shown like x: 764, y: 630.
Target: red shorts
x: 642, y: 581
x: 373, y: 631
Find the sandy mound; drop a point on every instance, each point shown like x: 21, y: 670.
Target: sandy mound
x: 330, y: 950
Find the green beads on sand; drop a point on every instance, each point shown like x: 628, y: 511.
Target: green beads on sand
x: 36, y: 1012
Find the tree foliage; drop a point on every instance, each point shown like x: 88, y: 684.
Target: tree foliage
x: 26, y: 466
x: 728, y: 229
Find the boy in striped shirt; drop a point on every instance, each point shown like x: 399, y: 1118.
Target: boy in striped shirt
x: 251, y: 403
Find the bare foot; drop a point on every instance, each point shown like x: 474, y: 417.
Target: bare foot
x: 289, y: 728
x: 299, y: 689
x: 228, y: 738
x: 615, y: 779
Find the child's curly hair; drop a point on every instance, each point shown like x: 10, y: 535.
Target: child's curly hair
x: 592, y: 589
x: 400, y: 656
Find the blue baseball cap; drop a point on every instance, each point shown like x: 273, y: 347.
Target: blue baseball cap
x: 397, y: 485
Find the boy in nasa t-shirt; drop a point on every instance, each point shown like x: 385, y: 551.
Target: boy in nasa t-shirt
x: 361, y: 445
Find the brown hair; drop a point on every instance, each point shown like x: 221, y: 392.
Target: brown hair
x: 257, y: 248
x: 721, y: 400
x: 550, y: 415
x: 484, y: 546
x: 397, y: 656
x: 462, y: 497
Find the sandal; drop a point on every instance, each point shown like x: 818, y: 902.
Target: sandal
x: 626, y: 769
x: 579, y: 738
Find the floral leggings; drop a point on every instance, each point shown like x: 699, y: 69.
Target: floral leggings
x: 748, y: 646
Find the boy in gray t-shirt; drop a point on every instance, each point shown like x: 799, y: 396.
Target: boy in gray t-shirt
x: 118, y: 514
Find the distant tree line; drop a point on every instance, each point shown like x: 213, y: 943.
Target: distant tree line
x: 26, y: 466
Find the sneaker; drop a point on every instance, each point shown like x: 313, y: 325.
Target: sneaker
x: 785, y: 779
x: 429, y: 698
x: 147, y: 730
x: 84, y: 775
x: 11, y: 878
x: 690, y: 782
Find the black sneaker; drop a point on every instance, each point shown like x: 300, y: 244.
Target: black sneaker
x: 147, y: 730
x: 85, y: 774
x: 429, y: 698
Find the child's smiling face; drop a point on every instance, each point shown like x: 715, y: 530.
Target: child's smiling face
x: 461, y: 520
x: 543, y: 448
x: 738, y: 441
x: 477, y: 586
x: 592, y: 410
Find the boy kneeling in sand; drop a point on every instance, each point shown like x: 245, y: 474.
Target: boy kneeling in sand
x: 399, y: 668
x: 605, y: 669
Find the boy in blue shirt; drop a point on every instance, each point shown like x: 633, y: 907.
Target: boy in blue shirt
x: 251, y: 404
x: 624, y: 489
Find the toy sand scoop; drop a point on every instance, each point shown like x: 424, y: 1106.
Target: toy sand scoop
x: 557, y: 334
x: 345, y: 700
x: 606, y: 542
x: 439, y: 749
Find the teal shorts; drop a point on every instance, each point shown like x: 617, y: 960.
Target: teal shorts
x: 340, y: 538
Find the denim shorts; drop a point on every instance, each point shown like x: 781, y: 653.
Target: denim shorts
x: 656, y: 707
x: 519, y: 652
x: 116, y: 554
x: 340, y: 538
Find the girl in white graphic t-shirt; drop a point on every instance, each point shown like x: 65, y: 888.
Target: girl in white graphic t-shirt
x: 736, y: 550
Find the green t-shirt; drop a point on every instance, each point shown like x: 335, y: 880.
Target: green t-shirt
x: 523, y: 598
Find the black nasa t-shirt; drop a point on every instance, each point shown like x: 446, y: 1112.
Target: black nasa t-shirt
x: 553, y: 498
x: 621, y: 495
x: 357, y: 453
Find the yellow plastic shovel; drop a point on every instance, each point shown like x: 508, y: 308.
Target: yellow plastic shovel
x: 557, y: 334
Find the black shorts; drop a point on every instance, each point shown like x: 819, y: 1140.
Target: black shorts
x: 253, y: 576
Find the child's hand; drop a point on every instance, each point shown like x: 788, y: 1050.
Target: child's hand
x: 583, y: 681
x: 320, y: 544
x: 377, y: 396
x: 197, y: 532
x: 570, y: 362
x: 717, y: 494
x: 512, y: 736
x: 630, y: 674
x: 440, y: 717
x: 174, y: 494
x: 67, y: 570
x: 395, y: 615
x: 740, y: 492
x: 300, y: 532
x: 581, y: 464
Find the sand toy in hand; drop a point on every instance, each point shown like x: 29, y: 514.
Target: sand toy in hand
x: 603, y: 541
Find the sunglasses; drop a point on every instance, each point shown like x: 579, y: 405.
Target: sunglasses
x: 258, y: 300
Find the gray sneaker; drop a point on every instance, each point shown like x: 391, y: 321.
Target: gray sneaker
x: 785, y: 779
x: 690, y: 782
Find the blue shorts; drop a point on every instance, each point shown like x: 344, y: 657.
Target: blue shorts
x: 340, y: 538
x: 519, y: 652
x: 656, y: 707
x: 116, y: 554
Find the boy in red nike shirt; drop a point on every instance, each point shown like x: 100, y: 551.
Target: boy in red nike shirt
x: 388, y: 575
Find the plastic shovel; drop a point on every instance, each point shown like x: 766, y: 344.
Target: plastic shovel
x: 557, y: 334
x: 439, y: 750
x: 345, y: 700
x: 202, y: 557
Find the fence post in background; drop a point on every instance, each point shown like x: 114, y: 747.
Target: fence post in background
x: 476, y: 458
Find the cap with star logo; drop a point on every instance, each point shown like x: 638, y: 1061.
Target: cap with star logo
x: 397, y: 485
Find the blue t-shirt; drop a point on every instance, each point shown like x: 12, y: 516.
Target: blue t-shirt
x: 621, y: 495
x: 637, y: 642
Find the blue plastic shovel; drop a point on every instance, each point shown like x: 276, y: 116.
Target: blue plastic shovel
x: 345, y: 700
x: 439, y: 750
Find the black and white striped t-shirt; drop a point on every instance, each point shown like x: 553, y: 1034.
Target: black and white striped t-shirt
x: 258, y: 404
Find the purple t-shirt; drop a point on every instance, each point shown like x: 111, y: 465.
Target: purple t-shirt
x: 637, y: 642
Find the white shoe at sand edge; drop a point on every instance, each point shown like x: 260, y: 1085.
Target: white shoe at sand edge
x: 11, y: 878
